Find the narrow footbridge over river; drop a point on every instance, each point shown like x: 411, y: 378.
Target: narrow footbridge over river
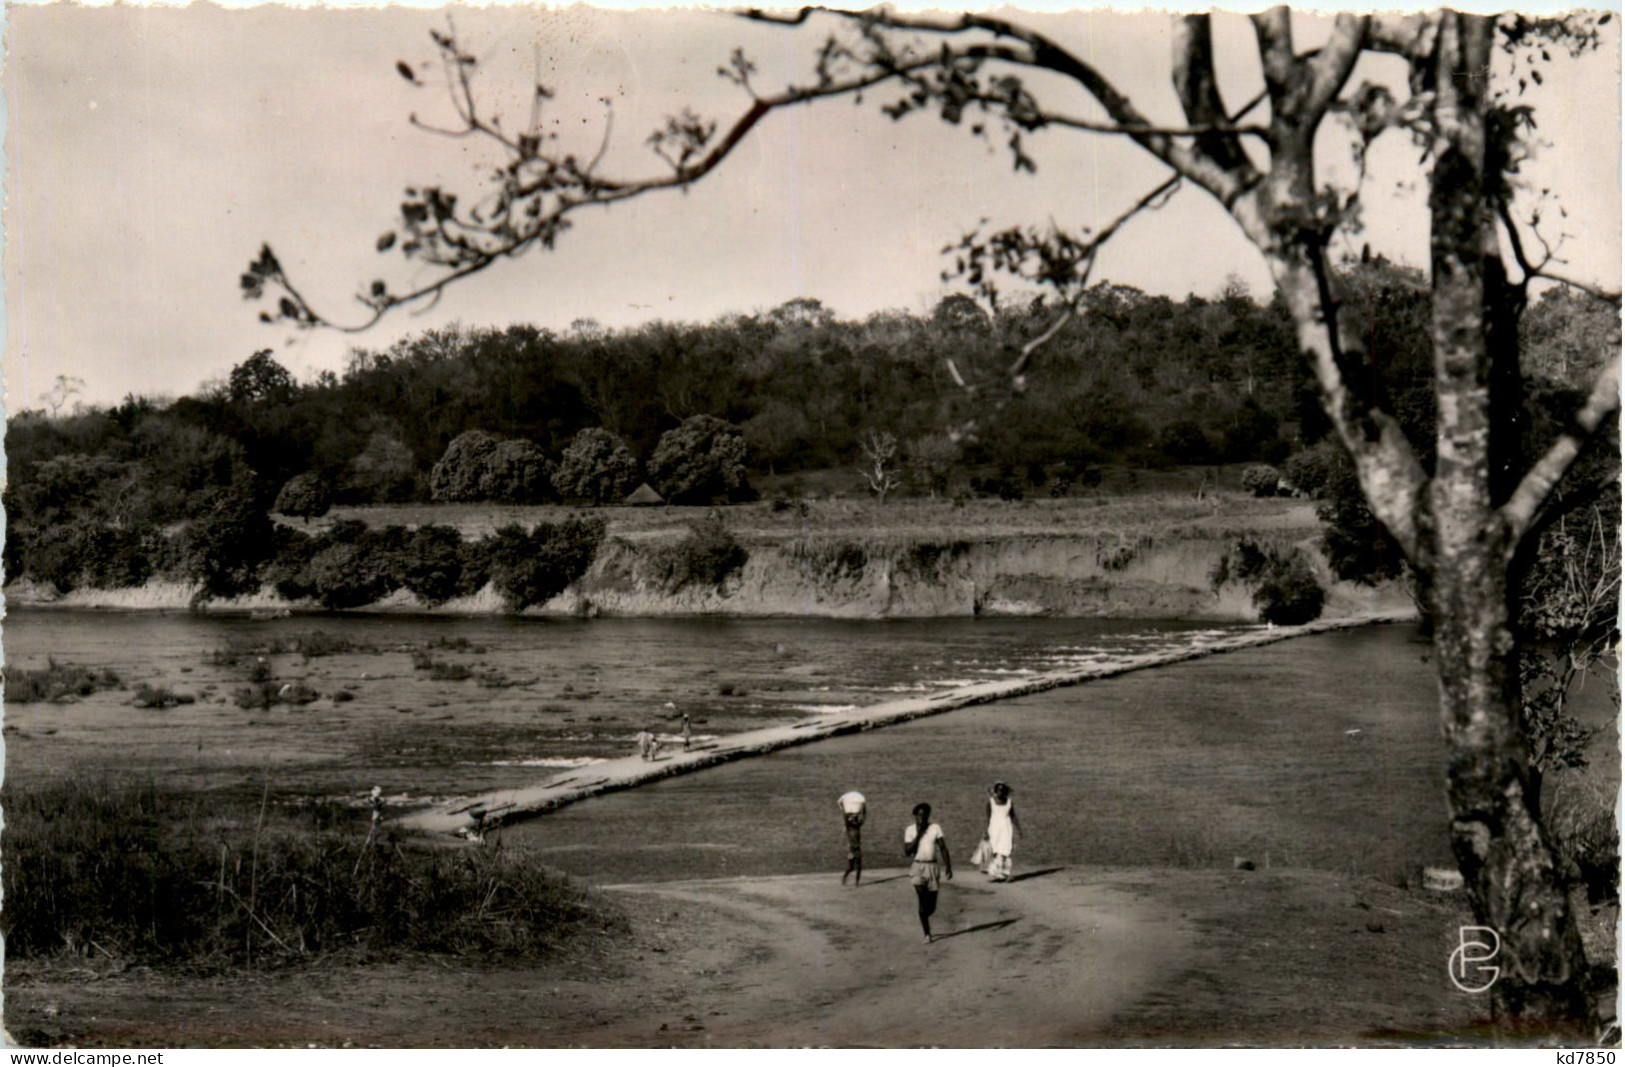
x: 567, y: 787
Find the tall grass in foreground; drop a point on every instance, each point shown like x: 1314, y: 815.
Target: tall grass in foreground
x: 157, y: 878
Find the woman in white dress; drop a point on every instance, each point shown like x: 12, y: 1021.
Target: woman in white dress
x: 1002, y: 829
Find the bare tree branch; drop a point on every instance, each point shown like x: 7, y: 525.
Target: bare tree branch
x: 1047, y: 54
x: 1532, y: 270
x: 1539, y: 481
x: 1199, y: 96
x: 1149, y: 202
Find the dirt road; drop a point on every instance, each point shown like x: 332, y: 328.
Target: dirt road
x: 1045, y: 959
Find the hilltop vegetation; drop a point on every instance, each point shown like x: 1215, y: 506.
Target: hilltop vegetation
x: 708, y: 414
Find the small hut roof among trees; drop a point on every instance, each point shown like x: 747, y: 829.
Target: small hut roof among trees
x: 643, y: 496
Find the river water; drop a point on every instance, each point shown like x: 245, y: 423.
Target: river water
x: 542, y: 693
x: 1321, y: 751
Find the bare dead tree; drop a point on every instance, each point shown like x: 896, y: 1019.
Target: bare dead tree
x: 1460, y: 525
x: 880, y: 467
x: 63, y: 390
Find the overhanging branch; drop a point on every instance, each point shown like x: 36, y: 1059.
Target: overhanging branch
x: 1537, y: 484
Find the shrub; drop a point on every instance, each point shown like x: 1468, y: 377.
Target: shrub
x: 923, y: 558
x: 147, y: 696
x: 1357, y: 547
x: 384, y: 472
x: 1261, y: 480
x: 57, y: 554
x: 72, y: 555
x: 459, y: 475
x: 225, y: 548
x: 296, y: 694
x: 534, y: 568
x: 431, y: 566
x: 165, y: 880
x: 1242, y: 562
x: 516, y: 472
x: 440, y: 671
x: 1585, y: 837
x: 350, y: 569
x: 597, y: 467
x: 1184, y: 442
x: 835, y: 560
x: 288, y: 569
x: 305, y: 496
x: 700, y: 462
x: 1310, y: 470
x: 705, y: 556
x: 56, y: 682
x: 256, y: 697
x: 934, y: 458
x: 1288, y: 593
x: 319, y: 643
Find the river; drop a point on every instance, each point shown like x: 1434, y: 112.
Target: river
x: 1322, y: 751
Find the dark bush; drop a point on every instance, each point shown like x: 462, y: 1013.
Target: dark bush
x: 1261, y: 480
x: 1242, y: 562
x: 431, y: 567
x: 288, y: 570
x: 305, y: 496
x: 56, y: 681
x: 147, y: 696
x: 597, y: 468
x: 459, y: 474
x: 1288, y: 593
x: 923, y: 558
x: 256, y: 697
x: 705, y: 556
x: 1184, y: 442
x: 517, y: 473
x: 1357, y: 547
x: 533, y: 568
x: 347, y: 566
x: 700, y: 462
x: 1309, y: 471
x: 58, y: 555
x: 226, y: 548
x: 1585, y: 837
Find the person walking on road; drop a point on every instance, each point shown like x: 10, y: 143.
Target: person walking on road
x: 924, y: 843
x: 854, y: 809
x: 688, y: 732
x: 1002, y: 830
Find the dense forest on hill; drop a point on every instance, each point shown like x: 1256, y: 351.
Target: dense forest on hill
x: 109, y: 495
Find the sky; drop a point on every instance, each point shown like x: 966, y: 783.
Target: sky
x: 150, y: 151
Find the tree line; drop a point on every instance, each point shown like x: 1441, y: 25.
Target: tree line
x: 109, y: 495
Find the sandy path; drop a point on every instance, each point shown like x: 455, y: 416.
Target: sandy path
x: 1048, y: 959
x: 558, y: 790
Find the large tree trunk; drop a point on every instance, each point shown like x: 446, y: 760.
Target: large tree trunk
x: 1499, y: 845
